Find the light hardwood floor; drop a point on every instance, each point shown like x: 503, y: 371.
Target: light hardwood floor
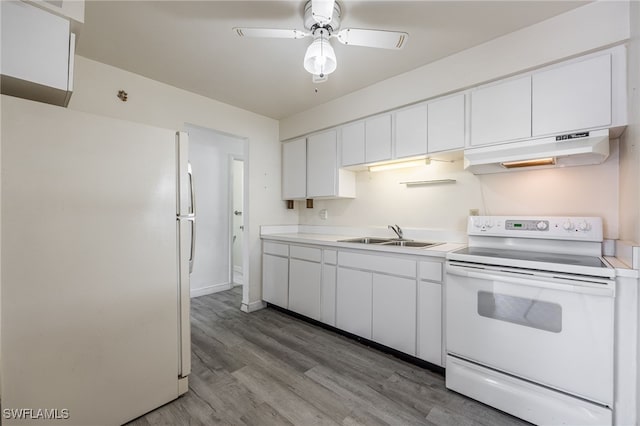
x: 267, y: 368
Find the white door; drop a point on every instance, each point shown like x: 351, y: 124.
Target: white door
x: 89, y: 270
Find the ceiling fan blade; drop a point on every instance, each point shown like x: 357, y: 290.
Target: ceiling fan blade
x: 269, y: 33
x: 322, y: 11
x: 372, y: 38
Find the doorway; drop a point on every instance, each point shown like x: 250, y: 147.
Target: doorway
x: 218, y: 163
x: 237, y: 217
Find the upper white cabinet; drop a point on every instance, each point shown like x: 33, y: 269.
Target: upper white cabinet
x: 501, y: 112
x: 352, y: 144
x: 310, y: 169
x: 378, y: 138
x: 37, y: 54
x: 573, y: 97
x: 294, y: 169
x: 324, y: 178
x: 446, y: 118
x: 411, y: 131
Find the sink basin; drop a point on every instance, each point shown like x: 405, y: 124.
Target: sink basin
x: 406, y: 243
x: 366, y: 240
x: 389, y: 242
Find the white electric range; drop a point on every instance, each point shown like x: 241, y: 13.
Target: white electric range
x: 530, y: 319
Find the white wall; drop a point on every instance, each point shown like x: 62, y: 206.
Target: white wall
x: 158, y: 104
x: 583, y: 29
x: 382, y: 200
x: 630, y: 140
x: 209, y: 153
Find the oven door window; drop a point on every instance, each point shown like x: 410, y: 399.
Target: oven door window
x: 532, y: 313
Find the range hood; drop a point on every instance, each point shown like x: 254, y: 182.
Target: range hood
x: 576, y: 149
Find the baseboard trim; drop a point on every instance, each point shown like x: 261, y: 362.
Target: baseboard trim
x: 203, y: 291
x: 253, y: 306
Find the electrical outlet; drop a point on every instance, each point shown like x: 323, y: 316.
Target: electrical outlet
x: 474, y: 212
x: 324, y: 214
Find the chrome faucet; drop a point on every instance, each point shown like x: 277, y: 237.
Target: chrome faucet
x: 397, y: 230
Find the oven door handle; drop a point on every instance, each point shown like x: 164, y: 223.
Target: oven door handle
x: 606, y: 290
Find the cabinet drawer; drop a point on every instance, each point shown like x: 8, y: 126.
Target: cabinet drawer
x: 275, y: 248
x: 386, y: 265
x: 431, y: 271
x: 306, y: 253
x: 330, y: 257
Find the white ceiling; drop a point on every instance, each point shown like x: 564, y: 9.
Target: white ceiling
x: 190, y: 44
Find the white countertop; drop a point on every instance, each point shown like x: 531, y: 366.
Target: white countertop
x: 314, y: 235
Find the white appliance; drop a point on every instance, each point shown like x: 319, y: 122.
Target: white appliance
x: 574, y: 149
x: 97, y: 238
x: 530, y: 319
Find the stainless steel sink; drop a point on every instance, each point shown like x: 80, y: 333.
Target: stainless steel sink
x: 366, y: 240
x: 389, y: 242
x: 407, y: 243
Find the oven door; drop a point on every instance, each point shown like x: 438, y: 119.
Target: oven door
x: 552, y: 331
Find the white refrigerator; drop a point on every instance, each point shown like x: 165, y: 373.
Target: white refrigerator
x: 98, y: 225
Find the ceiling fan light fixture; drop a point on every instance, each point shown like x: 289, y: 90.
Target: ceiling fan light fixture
x: 320, y: 58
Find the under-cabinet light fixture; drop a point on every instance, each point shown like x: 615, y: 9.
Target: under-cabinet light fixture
x: 399, y: 165
x: 529, y: 163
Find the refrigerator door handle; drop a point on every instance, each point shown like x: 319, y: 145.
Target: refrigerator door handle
x: 192, y: 209
x: 193, y: 243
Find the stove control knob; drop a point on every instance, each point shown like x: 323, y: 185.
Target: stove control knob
x: 488, y: 224
x: 477, y: 223
x: 541, y: 225
x: 567, y: 225
x: 583, y: 225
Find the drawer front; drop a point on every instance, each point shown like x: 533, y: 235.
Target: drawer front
x: 431, y: 271
x: 277, y: 249
x: 383, y: 264
x: 330, y: 257
x: 306, y: 253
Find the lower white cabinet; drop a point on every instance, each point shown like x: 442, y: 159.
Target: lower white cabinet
x: 353, y: 302
x: 394, y: 312
x: 304, y: 287
x: 429, y: 325
x: 328, y: 295
x: 391, y: 299
x: 275, y: 279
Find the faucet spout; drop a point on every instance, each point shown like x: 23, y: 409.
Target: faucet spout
x: 397, y: 230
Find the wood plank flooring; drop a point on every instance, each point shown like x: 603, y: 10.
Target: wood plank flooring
x: 267, y: 368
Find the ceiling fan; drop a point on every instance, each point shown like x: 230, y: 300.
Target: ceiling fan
x: 322, y: 22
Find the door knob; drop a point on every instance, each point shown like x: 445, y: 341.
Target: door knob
x: 237, y: 212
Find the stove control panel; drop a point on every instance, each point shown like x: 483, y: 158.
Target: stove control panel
x: 546, y: 227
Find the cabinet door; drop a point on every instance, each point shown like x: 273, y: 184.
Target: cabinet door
x: 35, y: 45
x: 411, y: 132
x: 304, y: 287
x: 275, y: 280
x: 394, y: 312
x: 328, y: 295
x: 501, y: 112
x: 352, y: 144
x: 446, y: 124
x: 294, y: 169
x: 572, y: 97
x: 378, y: 139
x: 322, y: 165
x: 430, y: 322
x: 353, y: 302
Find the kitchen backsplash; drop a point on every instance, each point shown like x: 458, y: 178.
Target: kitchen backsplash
x: 381, y: 198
